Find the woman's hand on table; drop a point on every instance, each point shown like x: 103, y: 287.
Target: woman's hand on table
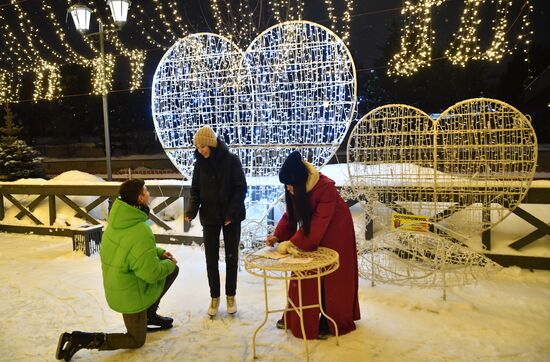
x: 287, y: 247
x: 271, y: 240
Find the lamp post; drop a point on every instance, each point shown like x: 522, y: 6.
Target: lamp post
x: 81, y: 17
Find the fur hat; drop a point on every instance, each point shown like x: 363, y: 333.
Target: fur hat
x: 205, y: 136
x: 293, y: 171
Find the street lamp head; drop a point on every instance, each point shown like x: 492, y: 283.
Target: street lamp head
x: 81, y: 16
x: 119, y: 10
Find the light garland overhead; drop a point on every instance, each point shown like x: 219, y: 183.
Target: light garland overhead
x: 137, y: 62
x: 164, y: 20
x: 47, y: 83
x: 178, y: 19
x: 29, y: 60
x: 241, y: 28
x: 136, y: 57
x: 32, y: 36
x: 417, y: 37
x: 526, y: 32
x: 6, y: 86
x: 76, y: 57
x: 102, y: 74
x: 346, y: 19
x: 465, y: 45
x: 499, y: 45
x: 140, y: 25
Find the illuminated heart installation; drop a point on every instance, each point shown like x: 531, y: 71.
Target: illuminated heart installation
x: 293, y: 89
x: 470, y: 167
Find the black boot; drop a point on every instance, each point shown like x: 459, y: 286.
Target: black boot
x: 156, y: 322
x: 70, y: 343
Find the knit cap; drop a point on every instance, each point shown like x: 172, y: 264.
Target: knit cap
x: 293, y: 171
x: 205, y: 136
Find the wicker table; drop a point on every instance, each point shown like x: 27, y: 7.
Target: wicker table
x: 325, y: 261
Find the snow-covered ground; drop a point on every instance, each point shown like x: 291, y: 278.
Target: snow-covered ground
x: 46, y: 288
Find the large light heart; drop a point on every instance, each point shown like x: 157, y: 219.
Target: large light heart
x: 293, y: 89
x: 477, y: 157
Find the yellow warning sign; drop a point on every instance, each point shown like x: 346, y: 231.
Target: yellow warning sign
x: 410, y: 222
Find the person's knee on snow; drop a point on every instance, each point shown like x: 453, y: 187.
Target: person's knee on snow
x: 133, y: 284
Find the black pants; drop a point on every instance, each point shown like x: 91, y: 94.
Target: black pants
x: 136, y: 324
x: 231, y: 239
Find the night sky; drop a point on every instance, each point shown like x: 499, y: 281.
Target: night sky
x: 76, y: 117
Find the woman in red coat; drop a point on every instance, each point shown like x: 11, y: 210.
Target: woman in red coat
x: 315, y: 216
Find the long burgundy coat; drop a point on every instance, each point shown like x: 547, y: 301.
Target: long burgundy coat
x: 331, y: 227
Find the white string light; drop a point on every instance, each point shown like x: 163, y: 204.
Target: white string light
x: 194, y: 85
x: 297, y: 91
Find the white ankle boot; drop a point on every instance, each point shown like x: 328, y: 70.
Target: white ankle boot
x: 231, y: 305
x: 213, y: 308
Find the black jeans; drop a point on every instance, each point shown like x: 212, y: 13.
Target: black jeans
x: 136, y: 324
x: 231, y: 239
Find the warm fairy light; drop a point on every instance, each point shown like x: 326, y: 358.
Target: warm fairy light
x: 178, y: 19
x: 164, y: 20
x: 143, y: 28
x: 102, y: 74
x: 29, y: 60
x: 239, y: 26
x: 47, y: 82
x: 465, y: 45
x: 6, y: 87
x: 74, y: 56
x: 417, y: 37
x: 499, y: 46
x: 136, y: 57
x: 526, y: 33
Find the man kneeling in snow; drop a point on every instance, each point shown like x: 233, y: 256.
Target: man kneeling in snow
x: 136, y: 274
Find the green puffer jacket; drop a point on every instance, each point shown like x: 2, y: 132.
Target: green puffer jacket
x: 133, y: 274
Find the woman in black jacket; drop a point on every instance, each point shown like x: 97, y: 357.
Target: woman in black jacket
x: 218, y: 189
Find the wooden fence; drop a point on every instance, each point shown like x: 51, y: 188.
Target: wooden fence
x: 101, y: 192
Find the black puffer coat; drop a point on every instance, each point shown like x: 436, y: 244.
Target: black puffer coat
x: 218, y: 187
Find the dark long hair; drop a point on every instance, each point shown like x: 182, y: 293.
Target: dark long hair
x: 297, y: 206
